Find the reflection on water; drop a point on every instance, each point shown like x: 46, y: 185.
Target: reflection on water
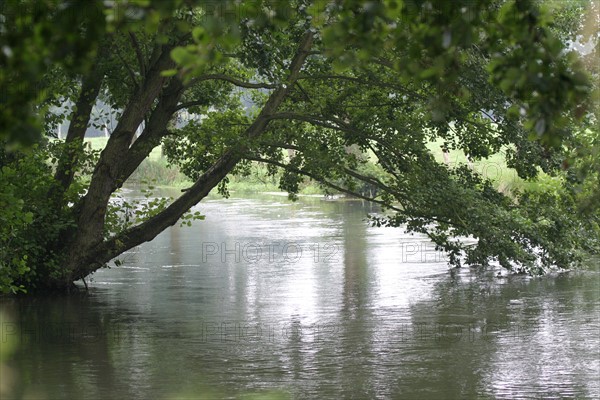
x: 305, y: 300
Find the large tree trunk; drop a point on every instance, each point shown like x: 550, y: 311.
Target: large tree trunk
x: 116, y: 161
x: 80, y: 117
x: 91, y: 253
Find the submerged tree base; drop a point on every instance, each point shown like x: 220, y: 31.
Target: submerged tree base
x: 51, y: 289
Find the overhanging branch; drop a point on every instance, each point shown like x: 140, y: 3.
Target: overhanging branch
x: 138, y: 52
x: 235, y: 81
x: 105, y: 251
x: 321, y: 180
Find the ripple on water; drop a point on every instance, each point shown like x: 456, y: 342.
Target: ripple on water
x: 381, y: 318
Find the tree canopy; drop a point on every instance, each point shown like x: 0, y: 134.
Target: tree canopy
x: 352, y: 94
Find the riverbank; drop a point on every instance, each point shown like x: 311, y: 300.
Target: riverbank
x: 156, y: 170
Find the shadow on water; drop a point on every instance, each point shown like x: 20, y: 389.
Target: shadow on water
x: 354, y: 318
x: 63, y: 347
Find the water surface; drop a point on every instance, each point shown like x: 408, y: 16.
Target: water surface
x: 304, y: 300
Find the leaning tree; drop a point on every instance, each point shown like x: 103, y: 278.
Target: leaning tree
x: 350, y: 94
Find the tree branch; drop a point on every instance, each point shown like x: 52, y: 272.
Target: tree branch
x: 315, y: 120
x: 235, y: 81
x: 129, y: 70
x: 80, y: 117
x: 226, y: 78
x: 367, y: 179
x: 105, y: 251
x: 190, y: 104
x: 321, y: 180
x: 138, y: 52
x: 154, y: 130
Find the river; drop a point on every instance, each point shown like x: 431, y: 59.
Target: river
x: 304, y: 300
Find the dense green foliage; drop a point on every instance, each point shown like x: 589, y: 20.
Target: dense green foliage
x: 31, y: 225
x: 350, y: 94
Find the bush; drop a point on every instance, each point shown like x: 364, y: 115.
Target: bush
x: 31, y: 224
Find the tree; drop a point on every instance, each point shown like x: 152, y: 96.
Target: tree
x: 381, y: 78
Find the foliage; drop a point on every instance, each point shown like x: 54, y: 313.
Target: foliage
x: 37, y: 36
x: 515, y: 36
x: 13, y: 221
x: 532, y: 232
x: 123, y: 214
x: 31, y: 225
x: 348, y: 93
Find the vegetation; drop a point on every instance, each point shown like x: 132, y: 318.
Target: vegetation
x: 156, y: 170
x: 351, y: 94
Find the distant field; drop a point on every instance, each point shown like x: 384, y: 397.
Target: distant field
x: 153, y: 170
x: 98, y: 143
x: 494, y: 168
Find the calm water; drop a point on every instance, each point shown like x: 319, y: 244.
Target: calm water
x: 304, y: 300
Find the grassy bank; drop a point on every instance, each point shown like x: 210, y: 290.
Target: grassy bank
x: 505, y: 179
x: 155, y: 170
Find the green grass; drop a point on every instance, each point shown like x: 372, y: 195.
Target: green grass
x: 159, y: 173
x: 155, y: 170
x: 504, y: 178
x: 98, y: 143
